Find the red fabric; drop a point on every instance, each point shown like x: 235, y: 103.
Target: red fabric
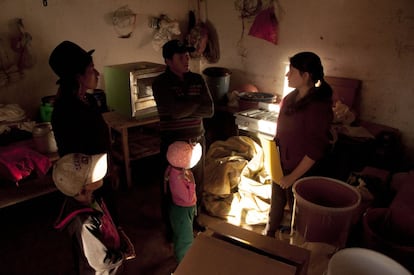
x: 17, y: 163
x: 266, y: 26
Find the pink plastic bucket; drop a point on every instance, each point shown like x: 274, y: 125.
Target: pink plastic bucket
x: 324, y: 209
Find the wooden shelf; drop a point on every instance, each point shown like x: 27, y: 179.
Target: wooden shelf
x: 30, y: 187
x: 142, y: 142
x: 27, y: 189
x: 133, y: 138
x: 144, y: 145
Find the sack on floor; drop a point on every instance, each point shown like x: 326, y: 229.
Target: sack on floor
x: 217, y: 205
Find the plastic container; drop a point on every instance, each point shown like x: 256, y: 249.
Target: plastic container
x: 100, y: 97
x: 46, y: 112
x: 324, y: 209
x: 44, y: 139
x: 46, y: 108
x: 361, y: 261
x: 218, y: 81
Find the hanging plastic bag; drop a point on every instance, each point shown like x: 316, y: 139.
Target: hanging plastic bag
x: 266, y: 26
x: 21, y: 43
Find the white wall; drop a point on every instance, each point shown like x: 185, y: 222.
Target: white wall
x: 351, y: 40
x: 368, y: 40
x: 89, y: 24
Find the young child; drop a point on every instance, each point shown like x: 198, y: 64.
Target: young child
x: 100, y: 247
x: 179, y: 183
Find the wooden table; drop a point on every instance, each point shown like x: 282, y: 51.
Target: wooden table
x: 131, y: 150
x: 27, y: 190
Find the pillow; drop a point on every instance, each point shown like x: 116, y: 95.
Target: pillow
x: 17, y: 163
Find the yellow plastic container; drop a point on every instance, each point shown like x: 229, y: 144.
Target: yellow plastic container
x: 272, y: 159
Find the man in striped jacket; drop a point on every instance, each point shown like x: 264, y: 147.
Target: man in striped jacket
x: 183, y: 101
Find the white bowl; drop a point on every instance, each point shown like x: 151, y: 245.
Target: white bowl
x: 362, y: 261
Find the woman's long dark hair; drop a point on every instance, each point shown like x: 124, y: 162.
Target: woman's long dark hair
x: 68, y: 87
x: 311, y: 63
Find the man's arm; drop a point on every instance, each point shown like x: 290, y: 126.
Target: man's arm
x: 205, y: 107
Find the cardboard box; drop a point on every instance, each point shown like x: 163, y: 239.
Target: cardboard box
x: 228, y: 249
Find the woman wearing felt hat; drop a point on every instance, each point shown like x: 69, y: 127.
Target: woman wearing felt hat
x: 77, y: 121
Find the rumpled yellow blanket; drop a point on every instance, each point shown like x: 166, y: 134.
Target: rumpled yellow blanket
x: 235, y: 170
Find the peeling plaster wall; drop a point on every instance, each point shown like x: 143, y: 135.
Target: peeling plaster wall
x: 369, y: 40
x: 87, y: 23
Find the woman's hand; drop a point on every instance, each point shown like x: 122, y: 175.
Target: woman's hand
x: 304, y: 165
x: 287, y: 181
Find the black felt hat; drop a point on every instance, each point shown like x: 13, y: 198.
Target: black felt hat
x: 175, y: 46
x: 68, y: 59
